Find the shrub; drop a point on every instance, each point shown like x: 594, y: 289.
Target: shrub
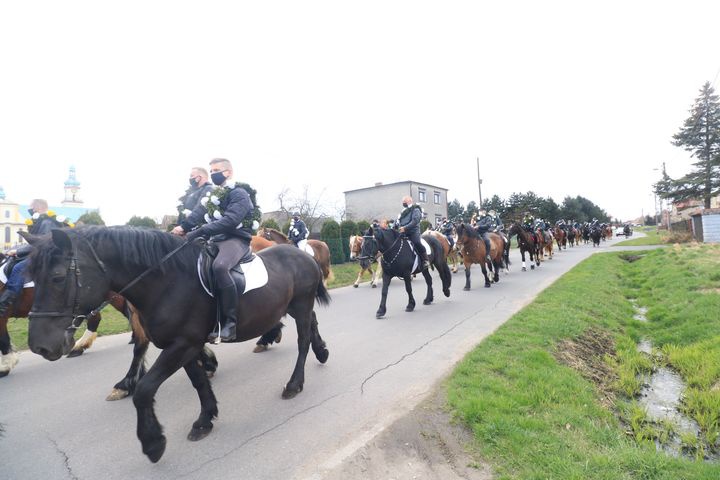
x: 270, y: 223
x: 348, y: 228
x: 330, y: 234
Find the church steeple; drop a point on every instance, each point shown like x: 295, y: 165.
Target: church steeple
x: 72, y: 187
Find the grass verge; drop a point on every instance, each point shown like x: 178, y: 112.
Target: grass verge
x: 535, y: 417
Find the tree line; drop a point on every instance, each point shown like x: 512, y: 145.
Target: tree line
x: 514, y: 207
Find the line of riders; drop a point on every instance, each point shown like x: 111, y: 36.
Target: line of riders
x: 490, y: 222
x: 231, y: 231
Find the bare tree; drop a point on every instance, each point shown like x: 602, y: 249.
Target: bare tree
x: 310, y: 207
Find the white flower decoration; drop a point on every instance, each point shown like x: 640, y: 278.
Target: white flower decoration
x: 35, y: 216
x: 61, y: 218
x: 187, y: 212
x: 204, y: 201
x: 215, y: 200
x: 255, y: 225
x: 207, y: 218
x: 217, y: 215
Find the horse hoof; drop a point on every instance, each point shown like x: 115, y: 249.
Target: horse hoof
x: 117, y: 394
x: 156, y: 451
x: 4, y: 374
x: 427, y: 302
x: 532, y: 267
x: 487, y: 285
x: 75, y: 353
x: 373, y: 285
x: 322, y: 357
x: 288, y: 394
x: 355, y: 285
x: 446, y: 292
x: 198, y: 433
x: 409, y: 308
x: 260, y: 348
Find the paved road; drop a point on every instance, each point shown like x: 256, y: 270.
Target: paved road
x: 58, y: 426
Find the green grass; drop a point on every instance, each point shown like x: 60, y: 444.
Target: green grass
x: 654, y: 237
x: 533, y: 418
x: 113, y: 322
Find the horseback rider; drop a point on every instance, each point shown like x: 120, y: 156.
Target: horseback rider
x: 298, y: 232
x: 595, y: 223
x: 447, y: 228
x: 40, y: 224
x: 199, y: 188
x: 484, y: 224
x: 229, y: 234
x: 528, y: 222
x: 409, y: 224
x: 498, y: 223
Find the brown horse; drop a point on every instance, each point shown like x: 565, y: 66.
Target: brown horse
x: 608, y: 233
x: 526, y: 243
x: 546, y: 244
x: 473, y: 250
x: 573, y: 236
x: 366, y: 264
x: 560, y: 238
x: 320, y: 249
x: 451, y: 252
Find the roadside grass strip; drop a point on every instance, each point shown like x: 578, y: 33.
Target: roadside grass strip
x: 553, y: 394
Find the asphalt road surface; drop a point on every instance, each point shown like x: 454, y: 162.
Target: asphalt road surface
x: 58, y: 425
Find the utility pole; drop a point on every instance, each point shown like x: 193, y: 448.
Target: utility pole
x: 479, y: 183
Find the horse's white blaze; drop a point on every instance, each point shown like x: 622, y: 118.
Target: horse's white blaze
x: 352, y: 244
x: 8, y: 362
x: 85, y: 341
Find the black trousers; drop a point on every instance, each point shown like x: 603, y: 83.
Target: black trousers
x: 414, y: 237
x: 229, y: 254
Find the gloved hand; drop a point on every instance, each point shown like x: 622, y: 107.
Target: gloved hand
x: 194, y: 234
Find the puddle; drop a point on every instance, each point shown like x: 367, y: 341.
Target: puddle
x: 640, y: 312
x: 661, y: 396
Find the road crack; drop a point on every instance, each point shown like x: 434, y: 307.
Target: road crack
x: 66, y: 459
x: 262, y: 434
x: 418, y: 349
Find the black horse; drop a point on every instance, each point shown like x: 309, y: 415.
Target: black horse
x: 527, y: 243
x: 595, y: 235
x: 398, y: 260
x: 74, y: 270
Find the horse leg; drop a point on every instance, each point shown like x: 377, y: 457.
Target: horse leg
x: 149, y: 430
x: 303, y: 316
x: 497, y: 265
x: 373, y: 276
x: 485, y: 274
x: 467, y: 276
x: 126, y: 386
x: 274, y: 335
x: 316, y: 342
x: 533, y: 258
x: 428, y: 281
x: 208, y: 403
x: 408, y: 288
x: 522, y: 256
x: 357, y: 281
x: 383, y: 297
x: 88, y: 338
x: 8, y: 357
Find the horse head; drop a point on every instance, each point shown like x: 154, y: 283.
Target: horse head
x: 70, y: 281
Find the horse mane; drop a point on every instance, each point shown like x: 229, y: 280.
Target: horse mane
x: 277, y: 232
x: 143, y: 247
x: 470, y: 231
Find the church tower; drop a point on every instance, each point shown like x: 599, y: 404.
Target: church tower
x: 72, y: 189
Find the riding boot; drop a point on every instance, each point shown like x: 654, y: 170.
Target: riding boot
x: 228, y: 297
x: 488, y: 258
x: 7, y: 298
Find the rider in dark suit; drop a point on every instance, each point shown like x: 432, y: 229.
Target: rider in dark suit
x: 41, y: 223
x: 229, y: 231
x: 409, y: 224
x: 199, y: 188
x: 484, y: 224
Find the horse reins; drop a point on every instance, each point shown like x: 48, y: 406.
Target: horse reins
x: 74, y: 270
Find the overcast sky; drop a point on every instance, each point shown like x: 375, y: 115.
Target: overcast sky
x: 559, y: 97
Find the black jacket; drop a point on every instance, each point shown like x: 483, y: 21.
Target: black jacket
x: 236, y: 208
x: 191, y: 199
x: 410, y: 219
x: 299, y: 227
x: 485, y: 224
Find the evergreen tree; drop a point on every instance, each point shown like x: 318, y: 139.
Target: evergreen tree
x: 455, y: 210
x: 348, y: 228
x: 330, y: 234
x: 363, y: 226
x: 91, y: 218
x: 270, y: 223
x: 700, y: 135
x: 145, y: 222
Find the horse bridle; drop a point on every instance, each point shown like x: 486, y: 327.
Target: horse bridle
x: 74, y: 271
x: 366, y: 257
x: 398, y: 239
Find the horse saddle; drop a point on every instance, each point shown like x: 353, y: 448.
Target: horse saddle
x: 309, y: 250
x: 249, y: 274
x: 428, y: 251
x: 6, y: 268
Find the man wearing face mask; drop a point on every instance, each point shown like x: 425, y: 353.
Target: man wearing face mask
x: 230, y: 235
x: 41, y: 224
x: 298, y: 232
x: 409, y: 223
x: 199, y: 187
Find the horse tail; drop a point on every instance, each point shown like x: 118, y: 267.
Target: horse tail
x: 322, y: 295
x: 440, y: 262
x: 506, y: 252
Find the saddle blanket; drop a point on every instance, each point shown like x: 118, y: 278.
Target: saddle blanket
x: 256, y: 275
x: 3, y: 277
x: 428, y: 251
x: 309, y: 250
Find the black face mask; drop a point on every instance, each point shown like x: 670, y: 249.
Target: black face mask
x: 218, y: 178
x: 193, y: 182
x: 31, y: 211
x: 405, y: 205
